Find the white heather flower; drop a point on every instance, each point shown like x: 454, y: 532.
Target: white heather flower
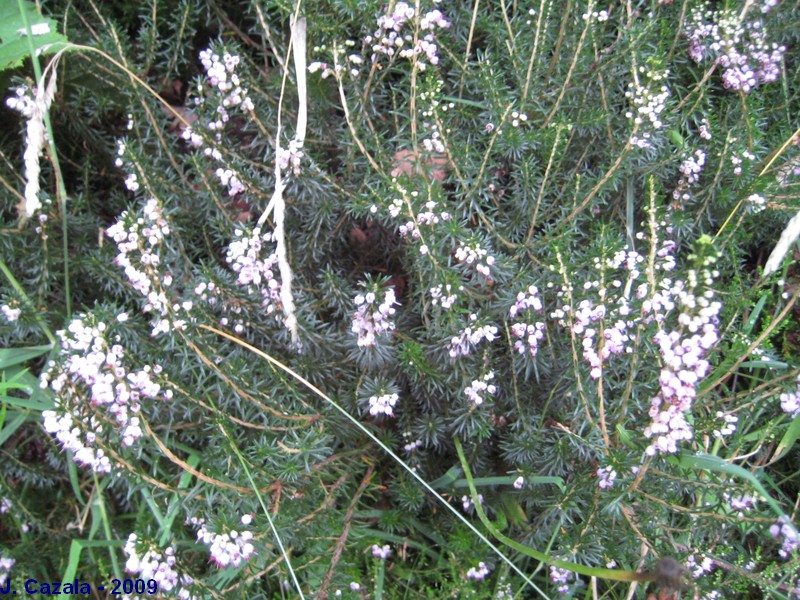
x: 383, y: 404
x: 232, y: 548
x: 756, y: 202
x: 90, y: 379
x: 131, y: 182
x: 519, y: 482
x: 381, y: 552
x: 5, y: 505
x: 5, y: 567
x: 790, y: 403
x: 11, y: 314
x: 479, y: 573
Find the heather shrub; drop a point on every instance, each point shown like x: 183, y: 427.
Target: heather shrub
x: 348, y: 299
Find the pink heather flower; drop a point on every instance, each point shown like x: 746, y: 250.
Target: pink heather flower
x: 479, y: 388
x: 381, y: 552
x: 684, y: 366
x: 786, y: 533
x: 462, y: 344
x: 606, y: 477
x: 290, y: 157
x: 699, y: 569
x: 151, y: 562
x: 729, y: 424
x: 741, y: 49
x: 372, y: 320
x: 248, y: 257
x: 742, y: 503
x: 530, y: 335
x: 562, y: 577
x: 466, y: 502
x: 479, y: 573
x: 473, y: 254
x: 526, y: 301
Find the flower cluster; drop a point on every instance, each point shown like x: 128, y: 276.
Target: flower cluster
x: 466, y: 502
x: 529, y: 334
x: 561, y: 577
x: 648, y: 100
x: 790, y: 401
x: 139, y: 241
x: 729, y: 424
x: 429, y: 216
x: 383, y: 405
x: 606, y: 477
x: 443, y: 295
x: 131, y: 178
x: 479, y: 388
x: 478, y: 573
x: 742, y: 503
x: 373, y: 319
x: 756, y: 203
x: 604, y: 326
x: 22, y: 101
x: 740, y: 48
x: 473, y: 254
x: 246, y: 257
x: 151, y: 562
x: 690, y: 170
x: 393, y: 37
x: 699, y: 568
x: 221, y: 74
x: 786, y: 533
x: 382, y: 552
x: 95, y: 391
x: 462, y: 344
x: 11, y: 313
x: 227, y: 549
x: 682, y: 352
x: 290, y: 157
x: 595, y: 15
x: 5, y: 567
x: 227, y: 88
